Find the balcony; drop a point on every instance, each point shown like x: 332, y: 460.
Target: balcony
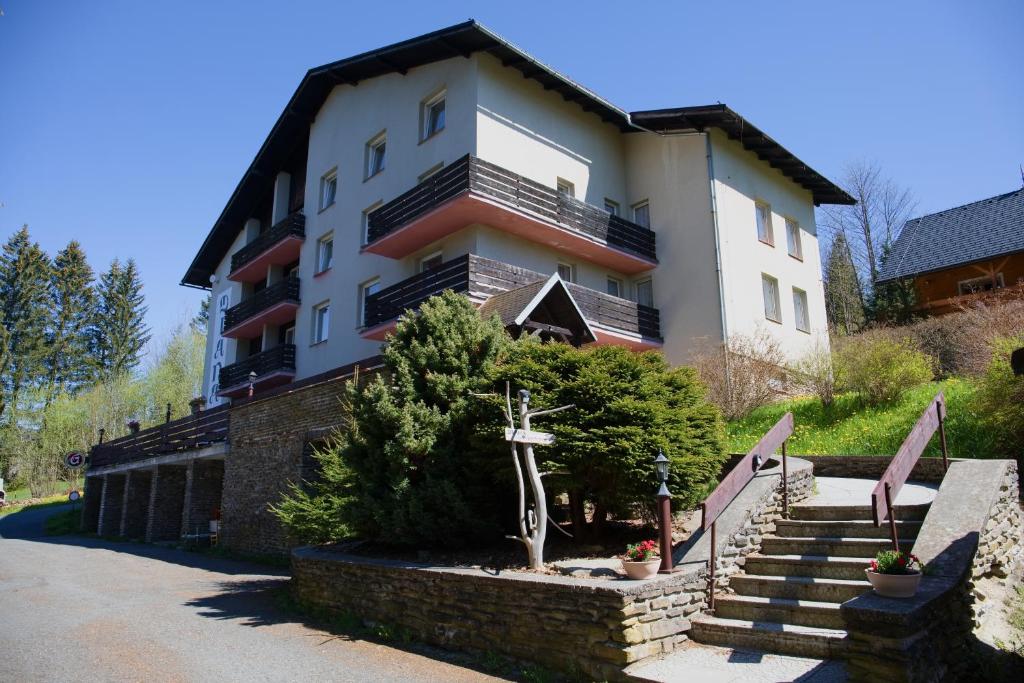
x: 474, y: 191
x: 271, y: 306
x: 614, y: 320
x: 273, y: 367
x: 276, y: 247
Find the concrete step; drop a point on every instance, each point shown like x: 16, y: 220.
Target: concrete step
x: 823, y: 545
x: 798, y: 587
x: 780, y: 610
x: 823, y: 513
x: 787, y: 639
x: 802, y: 528
x: 817, y: 566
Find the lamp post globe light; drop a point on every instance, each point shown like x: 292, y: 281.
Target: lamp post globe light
x: 661, y: 464
x: 252, y: 382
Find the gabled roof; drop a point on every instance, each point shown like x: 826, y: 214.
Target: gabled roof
x: 961, y: 235
x: 685, y: 119
x: 544, y: 302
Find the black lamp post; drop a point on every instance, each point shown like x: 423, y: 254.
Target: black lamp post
x: 664, y: 514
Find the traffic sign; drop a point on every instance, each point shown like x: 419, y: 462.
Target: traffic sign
x: 74, y: 496
x: 528, y: 436
x: 74, y: 459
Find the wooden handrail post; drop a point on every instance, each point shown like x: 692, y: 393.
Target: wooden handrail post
x: 712, y: 561
x: 892, y: 518
x: 942, y: 435
x: 785, y: 484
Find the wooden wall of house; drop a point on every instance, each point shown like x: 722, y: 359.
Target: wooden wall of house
x: 938, y: 292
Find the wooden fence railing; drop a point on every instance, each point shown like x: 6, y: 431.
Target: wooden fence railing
x: 192, y: 431
x: 734, y: 482
x: 902, y: 464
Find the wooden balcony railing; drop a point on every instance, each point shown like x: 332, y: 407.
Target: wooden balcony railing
x: 293, y: 225
x: 192, y: 431
x: 470, y: 174
x: 482, y: 277
x: 286, y: 290
x: 279, y: 358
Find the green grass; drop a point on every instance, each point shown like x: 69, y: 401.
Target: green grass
x: 849, y: 427
x: 64, y: 523
x: 49, y: 501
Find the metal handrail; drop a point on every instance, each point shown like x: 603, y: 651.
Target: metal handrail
x: 902, y: 464
x: 737, y: 479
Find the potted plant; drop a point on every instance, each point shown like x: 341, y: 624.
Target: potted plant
x: 133, y: 426
x: 641, y: 560
x: 894, y: 574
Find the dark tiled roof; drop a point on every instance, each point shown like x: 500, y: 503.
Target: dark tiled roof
x: 508, y: 305
x: 965, y: 234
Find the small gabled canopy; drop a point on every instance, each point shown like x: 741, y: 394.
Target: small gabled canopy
x: 544, y: 307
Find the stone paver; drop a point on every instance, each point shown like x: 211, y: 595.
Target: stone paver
x: 724, y: 665
x: 848, y: 491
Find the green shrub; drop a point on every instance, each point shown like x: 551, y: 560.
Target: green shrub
x: 1001, y: 398
x: 880, y: 369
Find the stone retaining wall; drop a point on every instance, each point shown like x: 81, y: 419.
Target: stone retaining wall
x: 871, y: 467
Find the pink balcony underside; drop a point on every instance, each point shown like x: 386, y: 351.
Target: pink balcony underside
x: 604, y: 337
x: 285, y: 251
x: 467, y: 209
x: 275, y: 315
x: 274, y: 379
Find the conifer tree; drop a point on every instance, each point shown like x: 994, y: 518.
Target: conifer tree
x: 844, y: 301
x: 74, y: 305
x: 120, y: 332
x: 25, y: 309
x: 201, y: 321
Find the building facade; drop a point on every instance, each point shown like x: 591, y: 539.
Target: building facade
x: 455, y: 160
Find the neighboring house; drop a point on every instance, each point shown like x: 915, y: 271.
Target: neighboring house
x: 960, y: 254
x: 456, y: 160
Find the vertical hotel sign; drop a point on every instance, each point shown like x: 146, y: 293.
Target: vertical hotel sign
x: 219, y: 342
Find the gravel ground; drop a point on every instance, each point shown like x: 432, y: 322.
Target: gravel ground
x: 82, y: 609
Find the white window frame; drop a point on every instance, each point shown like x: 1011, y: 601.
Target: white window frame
x: 609, y: 281
x: 327, y: 179
x: 571, y: 268
x: 365, y: 228
x: 429, y: 257
x: 376, y: 142
x: 426, y: 109
x: 321, y: 267
x: 765, y: 222
x: 612, y: 207
x: 565, y: 187
x: 766, y: 280
x: 638, y: 284
x: 364, y: 291
x: 639, y: 206
x: 287, y: 330
x: 433, y: 170
x: 794, y: 243
x: 321, y: 322
x: 968, y: 284
x: 800, y: 301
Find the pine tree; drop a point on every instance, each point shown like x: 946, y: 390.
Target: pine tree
x: 201, y: 321
x: 74, y: 304
x: 120, y: 333
x: 25, y: 308
x: 843, y: 294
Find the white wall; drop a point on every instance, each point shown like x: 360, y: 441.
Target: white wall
x: 220, y: 351
x: 740, y: 180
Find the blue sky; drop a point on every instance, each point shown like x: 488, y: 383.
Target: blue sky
x: 127, y: 125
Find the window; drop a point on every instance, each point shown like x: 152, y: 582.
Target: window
x: 645, y: 292
x: 803, y: 322
x: 565, y: 187
x: 611, y: 207
x: 980, y: 284
x: 796, y: 249
x: 287, y: 335
x: 433, y: 116
x: 431, y: 262
x: 324, y: 252
x: 642, y: 214
x: 328, y: 189
x: 614, y: 287
x: 430, y: 171
x: 763, y: 215
x: 376, y: 155
x: 366, y: 220
x: 770, y: 288
x: 567, y: 271
x: 367, y: 289
x: 321, y: 321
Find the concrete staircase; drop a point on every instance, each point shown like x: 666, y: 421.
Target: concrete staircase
x: 787, y: 598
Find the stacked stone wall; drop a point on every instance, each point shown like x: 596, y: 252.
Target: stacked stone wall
x: 167, y: 492
x: 136, y: 503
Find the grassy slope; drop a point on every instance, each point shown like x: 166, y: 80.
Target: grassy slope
x: 849, y: 427
x: 44, y: 502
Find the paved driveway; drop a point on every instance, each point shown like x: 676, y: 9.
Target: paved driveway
x: 75, y: 609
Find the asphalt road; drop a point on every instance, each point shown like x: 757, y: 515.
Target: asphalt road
x: 80, y: 609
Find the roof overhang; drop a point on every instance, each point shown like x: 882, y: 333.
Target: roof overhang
x: 546, y: 307
x: 701, y: 118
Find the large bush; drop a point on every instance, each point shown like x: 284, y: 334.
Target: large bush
x: 1001, y: 398
x: 403, y: 470
x: 879, y: 368
x: 743, y: 374
x: 627, y: 406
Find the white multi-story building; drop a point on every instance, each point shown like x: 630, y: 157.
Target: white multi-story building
x: 456, y: 160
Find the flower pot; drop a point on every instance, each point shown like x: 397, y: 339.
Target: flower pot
x: 894, y: 585
x: 641, y: 570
